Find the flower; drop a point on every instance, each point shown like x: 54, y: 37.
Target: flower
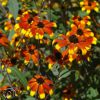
x: 39, y: 27
x: 31, y: 53
x: 8, y: 26
x: 3, y: 88
x: 68, y: 92
x: 41, y: 85
x: 16, y: 39
x: 56, y: 57
x: 3, y: 39
x: 80, y: 57
x: 89, y: 5
x: 26, y: 19
x: 77, y: 20
x: 4, y: 2
x: 79, y: 38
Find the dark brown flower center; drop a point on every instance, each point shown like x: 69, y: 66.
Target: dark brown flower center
x: 31, y: 51
x: 73, y: 39
x: 20, y: 12
x: 79, y: 32
x: 40, y: 25
x: 89, y: 4
x: 12, y: 21
x: 17, y: 39
x: 79, y: 52
x: 30, y: 20
x: 40, y: 80
x: 0, y: 35
x: 68, y: 92
x: 14, y: 60
x: 58, y: 55
x: 79, y: 18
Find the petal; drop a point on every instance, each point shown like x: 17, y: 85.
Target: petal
x: 40, y: 89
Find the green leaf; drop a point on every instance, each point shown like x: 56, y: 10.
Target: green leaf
x: 11, y: 34
x: 91, y: 93
x: 1, y: 77
x: 65, y: 74
x: 82, y: 14
x: 20, y: 76
x: 63, y: 71
x: 55, y: 69
x: 77, y: 75
x: 30, y: 98
x: 13, y: 7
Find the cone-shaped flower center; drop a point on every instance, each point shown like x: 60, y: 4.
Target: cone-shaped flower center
x: 30, y: 20
x: 17, y: 39
x: 58, y: 55
x: 31, y: 51
x: 0, y: 35
x: 73, y: 39
x: 14, y: 60
x: 40, y: 80
x: 40, y: 25
x: 89, y: 4
x: 79, y: 32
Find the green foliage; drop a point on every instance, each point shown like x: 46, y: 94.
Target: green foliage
x: 13, y: 8
x: 20, y: 76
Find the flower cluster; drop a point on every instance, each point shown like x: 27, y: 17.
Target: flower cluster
x: 89, y: 5
x: 44, y: 52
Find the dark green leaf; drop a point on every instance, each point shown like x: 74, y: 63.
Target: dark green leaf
x: 30, y: 98
x: 20, y: 76
x: 63, y: 71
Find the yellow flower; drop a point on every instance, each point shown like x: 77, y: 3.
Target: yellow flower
x: 4, y: 2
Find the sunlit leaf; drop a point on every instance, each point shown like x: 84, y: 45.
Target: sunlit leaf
x: 13, y: 7
x: 91, y: 93
x: 11, y: 34
x: 1, y: 77
x: 55, y: 69
x: 64, y: 74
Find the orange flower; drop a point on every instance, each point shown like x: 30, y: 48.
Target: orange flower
x: 3, y: 88
x: 89, y: 5
x: 26, y: 19
x: 31, y: 53
x: 41, y: 85
x: 15, y: 39
x: 77, y: 20
x: 79, y: 38
x: 3, y: 39
x: 56, y: 57
x: 39, y: 27
x: 81, y: 57
x: 10, y: 61
x: 68, y: 92
x: 8, y: 92
x: 8, y: 26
